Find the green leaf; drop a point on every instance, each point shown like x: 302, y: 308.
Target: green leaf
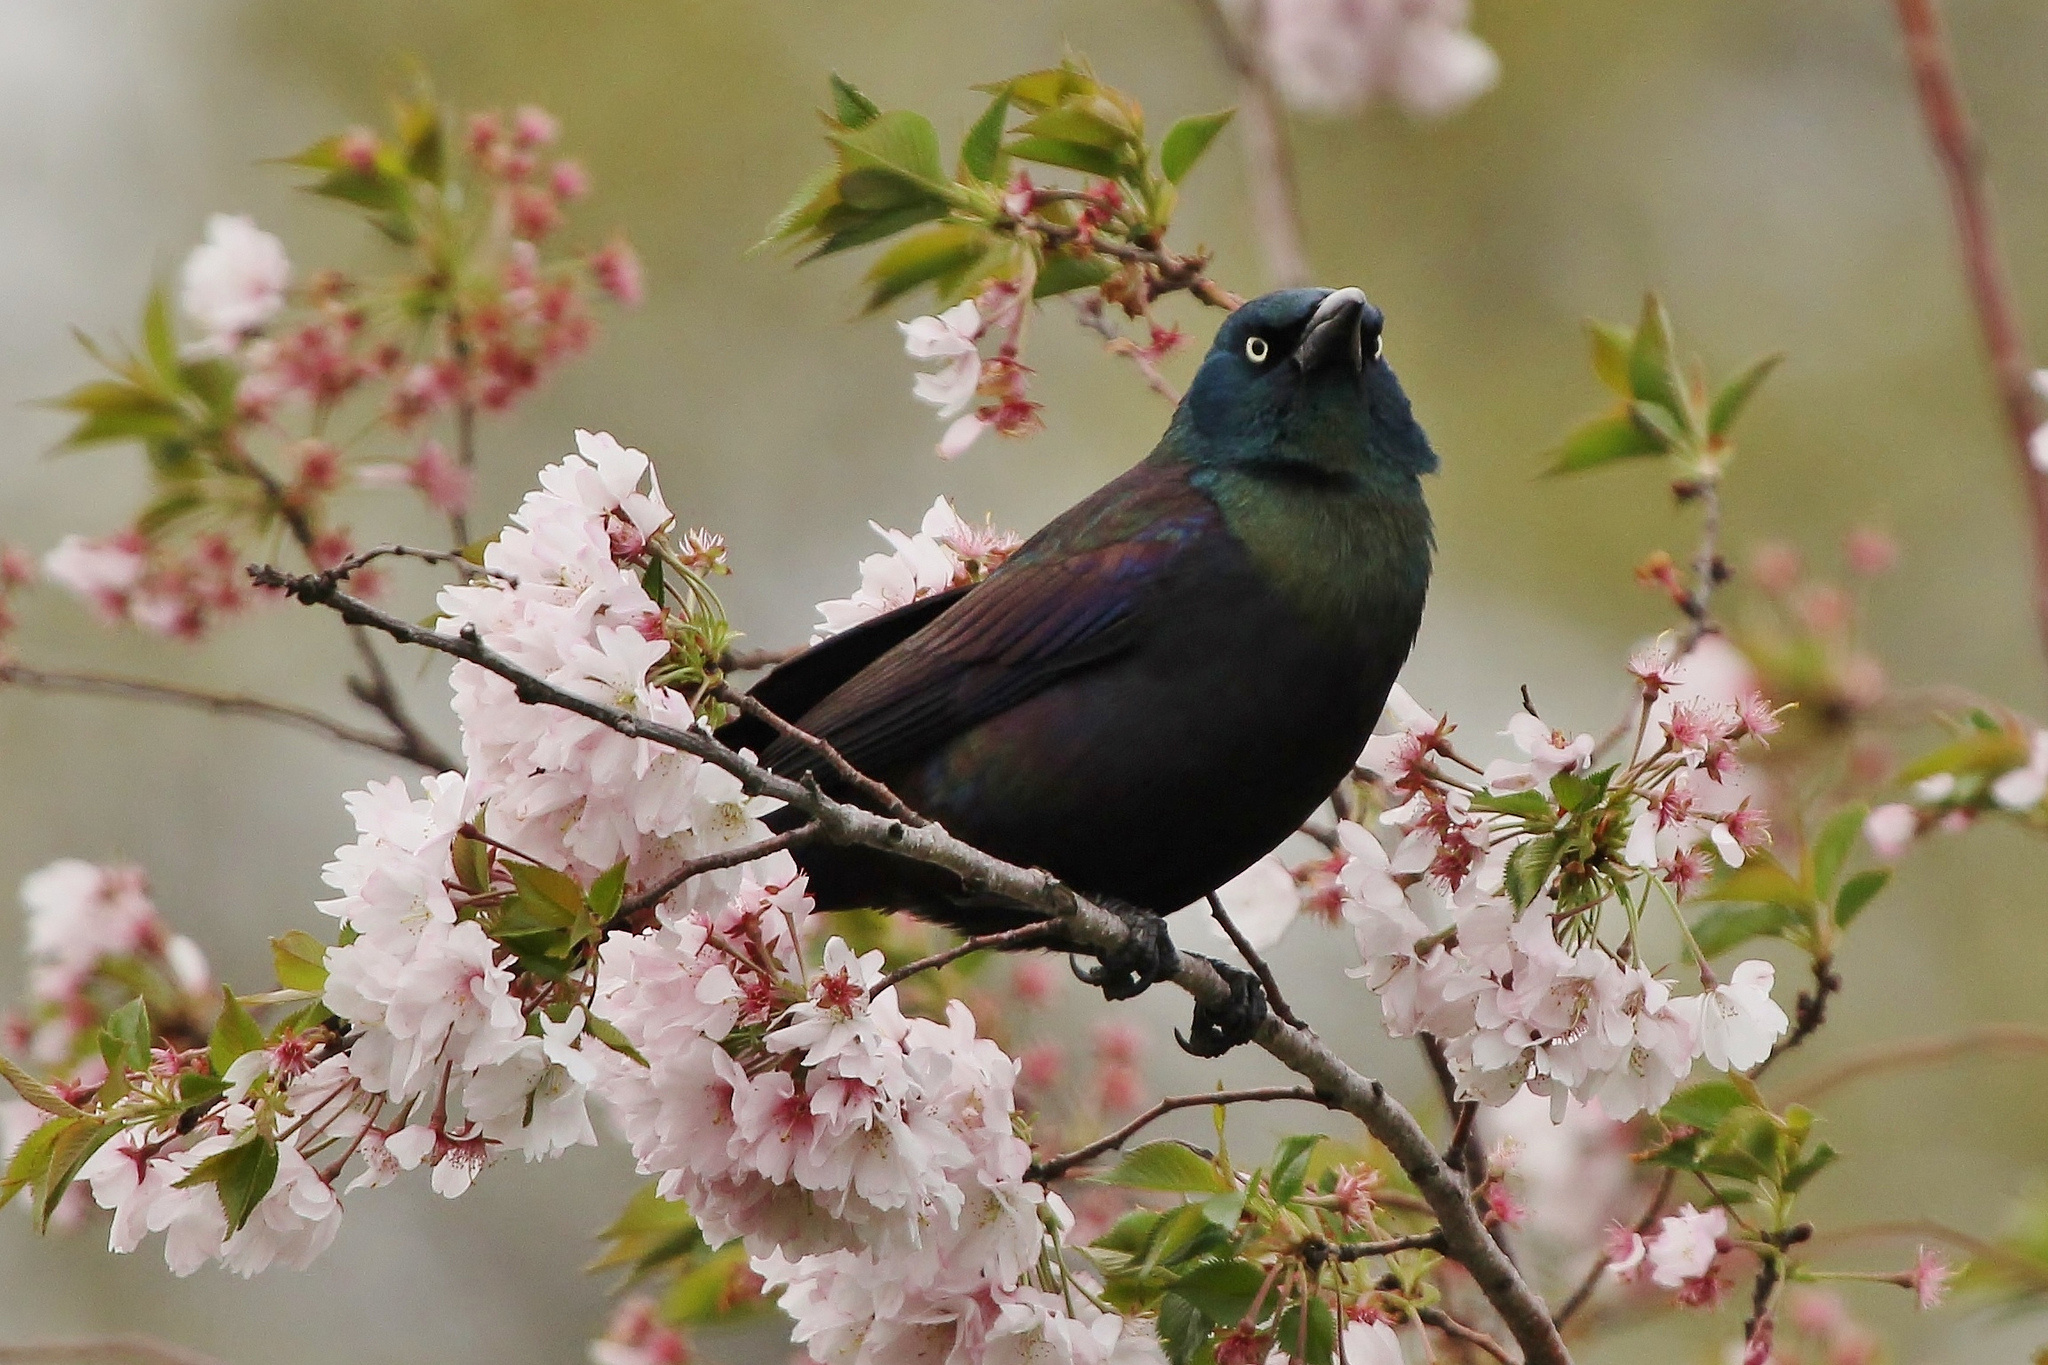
x: 608, y: 1033
x: 1092, y: 125
x: 37, y: 1093
x: 849, y: 106
x: 300, y: 961
x: 1184, y: 1234
x: 703, y: 1293
x: 1736, y: 393
x: 921, y: 258
x: 1063, y: 274
x: 1760, y: 878
x: 1320, y: 1338
x: 981, y: 154
x: 70, y: 1148
x: 1529, y: 868
x: 1167, y: 1166
x: 126, y: 1037
x: 607, y: 893
x: 1132, y: 1233
x: 234, y: 1034
x: 1610, y: 346
x: 1528, y: 805
x: 1187, y: 140
x: 1576, y: 793
x: 1704, y: 1105
x: 242, y: 1175
x: 1290, y: 1165
x: 1603, y: 441
x: 1858, y: 892
x: 157, y: 337
x: 900, y: 143
x: 116, y: 411
x: 1222, y: 1290
x: 1831, y: 850
x: 1074, y: 156
x: 1729, y: 923
x: 1657, y: 424
x: 31, y: 1158
x: 813, y: 197
x: 1182, y: 1329
x: 551, y: 897
x: 1985, y: 752
x: 1816, y: 1161
x: 421, y: 134
x: 1652, y: 372
x: 1224, y: 1210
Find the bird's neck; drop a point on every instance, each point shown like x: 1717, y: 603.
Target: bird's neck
x: 1351, y: 553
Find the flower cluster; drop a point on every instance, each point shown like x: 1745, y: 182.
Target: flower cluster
x: 1514, y: 867
x: 946, y: 552
x: 994, y: 388
x: 1337, y: 56
x: 172, y: 589
x: 865, y: 1158
x: 1683, y: 1255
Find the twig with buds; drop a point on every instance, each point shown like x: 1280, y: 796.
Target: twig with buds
x: 1054, y: 1168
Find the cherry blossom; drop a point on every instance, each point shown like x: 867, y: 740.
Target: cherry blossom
x: 1686, y: 1246
x: 234, y: 282
x: 951, y: 338
x: 1336, y: 56
x: 1736, y: 1023
x: 947, y: 551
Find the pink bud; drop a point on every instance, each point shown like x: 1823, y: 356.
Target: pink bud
x: 616, y: 269
x: 1870, y: 552
x: 570, y: 180
x: 1776, y: 568
x: 357, y: 150
x: 533, y: 126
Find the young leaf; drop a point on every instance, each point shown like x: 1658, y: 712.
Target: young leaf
x: 1167, y: 1166
x: 234, y: 1034
x: 1063, y: 274
x: 1603, y: 441
x: 1223, y: 1290
x: 1831, y: 849
x: 37, y: 1093
x: 551, y: 897
x: 608, y: 1033
x: 1183, y: 1331
x: 1529, y: 867
x: 1704, y: 1105
x: 1610, y: 346
x: 1290, y: 1165
x: 1736, y: 393
x: 1074, y: 156
x: 981, y: 154
x: 849, y: 106
x: 1313, y: 1343
x: 1858, y: 892
x: 242, y: 1175
x: 31, y: 1158
x: 1652, y: 372
x: 300, y: 961
x: 1187, y: 140
x: 1729, y: 923
x: 70, y: 1148
x: 921, y: 258
x: 1529, y: 805
x: 607, y: 893
x: 900, y: 143
x: 158, y: 339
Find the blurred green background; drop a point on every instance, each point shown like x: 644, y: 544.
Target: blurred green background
x: 1761, y: 164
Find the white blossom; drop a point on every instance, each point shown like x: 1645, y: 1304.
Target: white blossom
x: 234, y: 281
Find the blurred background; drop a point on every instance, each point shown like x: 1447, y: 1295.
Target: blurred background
x: 1761, y: 165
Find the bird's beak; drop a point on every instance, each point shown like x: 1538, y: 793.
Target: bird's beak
x: 1338, y: 328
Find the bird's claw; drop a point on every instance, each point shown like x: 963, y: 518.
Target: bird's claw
x: 1218, y: 1030
x: 1145, y: 957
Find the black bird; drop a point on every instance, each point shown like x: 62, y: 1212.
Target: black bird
x: 1162, y: 684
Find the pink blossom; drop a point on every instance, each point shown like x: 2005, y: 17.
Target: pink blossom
x: 1686, y: 1246
x: 615, y: 267
x: 1736, y: 1023
x: 234, y: 282
x: 951, y: 338
x: 1890, y: 830
x: 1929, y: 1278
x: 1335, y: 56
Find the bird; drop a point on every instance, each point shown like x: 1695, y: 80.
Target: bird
x: 1168, y: 679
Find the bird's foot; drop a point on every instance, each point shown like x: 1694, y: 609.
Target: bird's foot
x: 1146, y: 956
x: 1217, y: 1030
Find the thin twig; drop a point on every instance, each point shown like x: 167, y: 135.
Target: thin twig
x: 444, y: 557
x: 1268, y: 156
x: 198, y: 698
x: 1254, y: 961
x: 2021, y: 1267
x: 1707, y: 568
x: 891, y: 803
x: 124, y: 1349
x: 1584, y: 1293
x: 1045, y: 1172
x: 1962, y: 163
x: 1023, y: 936
x: 1319, y: 1252
x: 1331, y: 1079
x: 378, y: 692
x: 1471, y: 1336
x: 1919, y: 1052
x: 714, y: 862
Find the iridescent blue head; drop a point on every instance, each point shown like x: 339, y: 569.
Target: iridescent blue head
x: 1296, y: 378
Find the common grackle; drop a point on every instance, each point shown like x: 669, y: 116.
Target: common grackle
x: 1167, y: 680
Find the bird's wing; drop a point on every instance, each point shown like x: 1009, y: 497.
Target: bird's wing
x: 803, y: 680
x: 1072, y: 599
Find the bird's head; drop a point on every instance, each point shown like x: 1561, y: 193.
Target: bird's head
x: 1296, y: 377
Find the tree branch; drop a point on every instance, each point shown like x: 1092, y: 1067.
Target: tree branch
x: 1969, y: 191
x: 1268, y: 156
x: 1254, y: 961
x: 1098, y: 930
x: 1919, y: 1052
x: 125, y: 1349
x: 1045, y: 1172
x: 1458, y: 1331
x: 201, y: 699
x: 1584, y: 1293
x: 889, y: 801
x: 713, y: 862
x: 1318, y: 1251
x: 1808, y: 1013
x: 1023, y: 936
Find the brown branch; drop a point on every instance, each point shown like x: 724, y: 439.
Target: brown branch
x: 1319, y: 1252
x: 1333, y: 1080
x: 1268, y: 155
x: 1023, y: 936
x: 124, y: 1349
x: 1969, y: 190
x: 713, y: 862
x: 1919, y: 1052
x: 890, y: 802
x: 443, y: 557
x: 1458, y: 1331
x: 1045, y: 1172
x: 1584, y: 1293
x: 1707, y: 568
x: 201, y: 699
x: 1254, y: 961
x: 378, y: 692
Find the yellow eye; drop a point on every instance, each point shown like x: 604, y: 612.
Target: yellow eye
x: 1256, y: 350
